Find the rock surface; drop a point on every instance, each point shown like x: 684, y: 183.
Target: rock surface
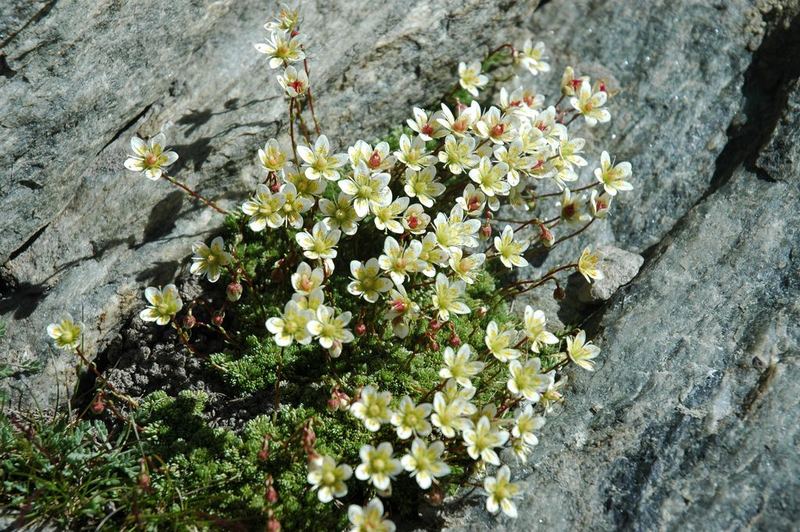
x: 81, y: 234
x: 689, y: 421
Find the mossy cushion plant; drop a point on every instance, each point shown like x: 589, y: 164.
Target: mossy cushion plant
x: 366, y: 299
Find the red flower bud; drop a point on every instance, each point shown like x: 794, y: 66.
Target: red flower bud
x: 98, y: 406
x: 454, y: 340
x: 435, y: 325
x: 361, y: 329
x: 144, y: 480
x: 559, y: 293
x: 218, y: 318
x: 486, y: 231
x: 273, y: 525
x: 189, y: 321
x: 263, y: 454
x: 234, y: 291
x: 271, y: 495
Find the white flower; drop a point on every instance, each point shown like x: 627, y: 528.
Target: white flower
x: 292, y: 326
x: 569, y: 149
x: 482, y: 439
x: 467, y: 118
x: 448, y: 415
x: 495, y: 127
x: 305, y: 280
x: 264, y: 209
x: 569, y: 83
x: 369, y: 518
x: 447, y: 298
x: 431, y: 255
x: 460, y: 366
x: 66, y: 333
x: 282, y: 49
x: 500, y: 342
x: 527, y: 380
x: 330, y: 329
x: 470, y: 77
x: 272, y: 157
x: 413, y: 153
x: 320, y: 243
x: 472, y: 200
x: 378, y: 465
x: 376, y: 160
x: 491, y: 178
x: 514, y: 157
x: 325, y: 475
x: 500, y: 491
x: 402, y: 310
x: 294, y: 82
x: 321, y: 164
x: 572, y: 210
x: 415, y: 220
x: 340, y: 214
x: 372, y: 408
x: 532, y: 57
x: 466, y: 268
x: 600, y: 204
x: 312, y: 301
x: 588, y: 265
x: 427, y: 128
x: 582, y: 352
x: 386, y: 217
x: 510, y: 252
x: 399, y: 261
x: 425, y: 463
x: 209, y: 260
x: 294, y: 206
x: 151, y: 157
x: 306, y: 188
x: 590, y: 105
x: 410, y: 419
x: 367, y: 189
x: 164, y: 304
x: 367, y: 280
x: 423, y: 185
x: 613, y: 177
x: 534, y: 330
x: 458, y: 155
x: 286, y: 20
x: 525, y: 423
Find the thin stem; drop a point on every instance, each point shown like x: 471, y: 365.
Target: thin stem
x: 110, y: 387
x: 553, y: 194
x: 195, y: 194
x: 576, y: 233
x: 291, y: 131
x: 311, y: 100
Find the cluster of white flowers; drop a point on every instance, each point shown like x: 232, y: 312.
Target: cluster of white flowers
x: 434, y: 202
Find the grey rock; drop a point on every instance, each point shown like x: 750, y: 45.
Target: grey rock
x: 619, y: 268
x: 81, y: 234
x: 689, y: 421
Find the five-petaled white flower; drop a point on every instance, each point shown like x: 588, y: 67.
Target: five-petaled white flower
x: 600, y: 203
x: 410, y: 419
x: 320, y: 162
x: 588, y: 265
x: 500, y: 341
x: 460, y: 365
x: 387, y: 218
x: 367, y: 280
x: 423, y: 185
x: 292, y: 326
x: 500, y: 491
x: 491, y: 178
x: 340, y: 214
x: 151, y: 157
x: 376, y: 160
x: 164, y: 304
x: 448, y: 415
x: 320, y: 243
x: 305, y: 280
x: 413, y: 154
x: 282, y: 48
x: 272, y: 157
x: 210, y: 260
x: 425, y: 463
x: 458, y: 155
x: 378, y: 465
x: 427, y: 127
x: 447, y: 297
x: 400, y: 261
x: 294, y: 206
x: 533, y: 326
x: 367, y: 189
x: 328, y: 477
x: 527, y: 380
x: 294, y: 82
x: 532, y: 57
x: 415, y: 220
x: 481, y: 440
x: 525, y: 423
x: 510, y: 251
x: 470, y: 77
x: 590, y: 105
x: 264, y: 209
x: 613, y: 176
x: 466, y: 268
x: 330, y: 329
x: 582, y: 352
x: 66, y: 333
x: 369, y: 518
x: 372, y: 408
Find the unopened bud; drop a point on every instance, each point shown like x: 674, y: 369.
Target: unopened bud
x: 98, y: 406
x: 189, y: 321
x: 275, y: 187
x: 559, y: 293
x: 486, y: 231
x: 263, y: 454
x: 144, y: 480
x: 546, y: 236
x: 434, y: 345
x: 218, y: 319
x: 482, y: 311
x: 435, y: 496
x: 271, y: 494
x: 435, y: 325
x: 234, y: 291
x: 360, y: 329
x: 454, y: 340
x: 273, y: 525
